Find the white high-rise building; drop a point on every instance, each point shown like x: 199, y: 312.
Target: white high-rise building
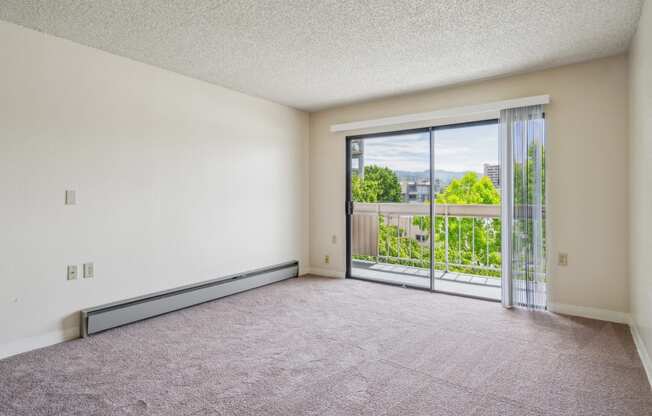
x: 493, y: 172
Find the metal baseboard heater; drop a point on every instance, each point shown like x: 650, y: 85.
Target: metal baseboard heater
x: 111, y: 315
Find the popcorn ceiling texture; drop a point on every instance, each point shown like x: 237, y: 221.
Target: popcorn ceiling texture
x: 313, y: 54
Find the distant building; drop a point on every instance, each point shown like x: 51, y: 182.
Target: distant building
x: 493, y: 173
x: 415, y: 191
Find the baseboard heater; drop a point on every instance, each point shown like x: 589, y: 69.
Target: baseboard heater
x: 101, y: 318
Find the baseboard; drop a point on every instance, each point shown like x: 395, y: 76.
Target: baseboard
x: 31, y: 343
x: 326, y: 272
x: 643, y: 353
x: 592, y: 313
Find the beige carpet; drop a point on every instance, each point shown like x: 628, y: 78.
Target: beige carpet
x: 336, y: 347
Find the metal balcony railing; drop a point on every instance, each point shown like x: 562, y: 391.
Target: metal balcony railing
x: 467, y: 237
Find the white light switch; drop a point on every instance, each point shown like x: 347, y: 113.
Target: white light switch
x: 72, y: 272
x: 71, y: 198
x: 89, y: 270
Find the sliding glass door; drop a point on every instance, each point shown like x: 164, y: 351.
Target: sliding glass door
x: 467, y: 243
x: 388, y: 189
x: 423, y: 209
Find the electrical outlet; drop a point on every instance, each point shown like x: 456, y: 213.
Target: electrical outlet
x: 327, y: 259
x: 334, y: 239
x: 563, y: 259
x: 72, y: 272
x: 71, y: 198
x: 89, y: 270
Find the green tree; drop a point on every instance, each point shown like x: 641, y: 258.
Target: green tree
x: 378, y: 185
x: 470, y: 189
x: 364, y: 191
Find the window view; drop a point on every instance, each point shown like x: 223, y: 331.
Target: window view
x: 391, y: 222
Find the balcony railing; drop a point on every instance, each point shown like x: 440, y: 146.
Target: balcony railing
x: 467, y: 237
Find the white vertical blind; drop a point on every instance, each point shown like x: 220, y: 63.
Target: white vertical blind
x: 523, y: 135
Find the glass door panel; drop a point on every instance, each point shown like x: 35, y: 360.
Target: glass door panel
x: 388, y: 208
x: 466, y: 200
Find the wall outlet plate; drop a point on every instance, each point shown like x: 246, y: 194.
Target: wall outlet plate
x: 89, y: 270
x: 563, y: 259
x: 72, y: 272
x: 71, y: 197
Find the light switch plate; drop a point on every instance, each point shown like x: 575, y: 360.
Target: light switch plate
x: 72, y: 272
x: 89, y: 270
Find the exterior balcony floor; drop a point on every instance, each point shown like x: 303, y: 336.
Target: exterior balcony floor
x: 449, y: 282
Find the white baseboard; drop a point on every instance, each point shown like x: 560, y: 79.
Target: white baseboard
x: 326, y: 272
x: 39, y: 341
x: 646, y: 359
x: 592, y: 313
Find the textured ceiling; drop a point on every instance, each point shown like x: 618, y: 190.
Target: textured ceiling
x: 313, y: 54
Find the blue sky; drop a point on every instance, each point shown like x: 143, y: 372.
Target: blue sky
x: 457, y: 149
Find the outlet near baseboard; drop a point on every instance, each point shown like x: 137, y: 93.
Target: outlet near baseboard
x: 563, y: 259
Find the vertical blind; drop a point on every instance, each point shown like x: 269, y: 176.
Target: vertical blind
x: 524, y: 128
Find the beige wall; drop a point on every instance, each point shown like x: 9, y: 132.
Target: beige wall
x: 641, y: 182
x: 177, y: 181
x: 587, y: 149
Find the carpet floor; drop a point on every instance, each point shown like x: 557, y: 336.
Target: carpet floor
x: 336, y: 347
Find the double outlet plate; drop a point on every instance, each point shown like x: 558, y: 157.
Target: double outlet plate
x: 88, y: 270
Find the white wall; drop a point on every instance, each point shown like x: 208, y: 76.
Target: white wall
x: 587, y: 167
x: 640, y: 185
x: 177, y: 181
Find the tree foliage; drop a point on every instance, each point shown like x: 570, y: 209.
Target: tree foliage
x: 470, y: 189
x: 378, y: 185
